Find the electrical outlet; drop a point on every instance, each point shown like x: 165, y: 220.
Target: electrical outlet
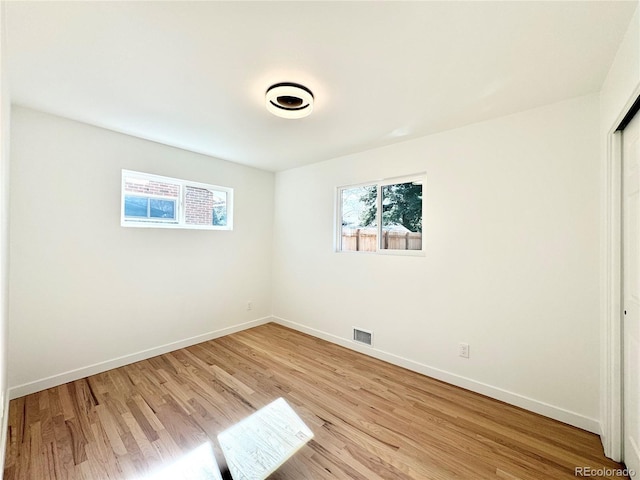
x: 463, y: 350
x: 249, y: 306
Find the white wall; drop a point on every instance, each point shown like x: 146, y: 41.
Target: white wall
x: 619, y: 90
x: 5, y: 116
x: 511, y: 260
x: 623, y: 77
x: 84, y: 290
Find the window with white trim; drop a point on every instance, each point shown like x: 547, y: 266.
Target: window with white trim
x: 154, y: 201
x: 381, y: 217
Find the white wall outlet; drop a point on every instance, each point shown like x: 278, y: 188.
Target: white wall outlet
x: 463, y: 350
x: 249, y: 306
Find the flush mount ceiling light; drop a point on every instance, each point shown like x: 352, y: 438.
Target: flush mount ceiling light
x: 289, y: 100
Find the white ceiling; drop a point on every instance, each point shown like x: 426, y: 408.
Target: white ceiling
x: 194, y: 74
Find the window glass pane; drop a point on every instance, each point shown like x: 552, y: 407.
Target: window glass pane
x: 358, y: 229
x: 147, y: 187
x: 219, y: 209
x: 150, y: 199
x: 160, y: 208
x: 402, y: 216
x: 135, y: 206
x: 205, y: 207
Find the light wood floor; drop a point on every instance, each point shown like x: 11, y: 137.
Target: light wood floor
x: 371, y: 420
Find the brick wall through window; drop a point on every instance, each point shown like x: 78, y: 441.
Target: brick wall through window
x: 151, y: 187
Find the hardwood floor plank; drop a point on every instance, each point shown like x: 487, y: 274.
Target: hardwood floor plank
x: 141, y: 421
x: 144, y: 445
x: 63, y: 451
x: 101, y: 454
x: 371, y: 420
x: 65, y: 401
x: 111, y: 430
x: 148, y: 412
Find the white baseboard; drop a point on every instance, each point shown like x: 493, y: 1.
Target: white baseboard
x: 551, y: 411
x: 71, y: 375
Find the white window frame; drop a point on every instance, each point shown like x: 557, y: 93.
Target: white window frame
x: 180, y: 221
x: 418, y: 177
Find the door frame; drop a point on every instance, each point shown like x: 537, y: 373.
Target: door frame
x: 611, y: 361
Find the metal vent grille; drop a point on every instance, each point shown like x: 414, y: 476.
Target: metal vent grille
x: 362, y: 336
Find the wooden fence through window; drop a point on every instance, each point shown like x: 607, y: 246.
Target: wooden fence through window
x: 365, y: 240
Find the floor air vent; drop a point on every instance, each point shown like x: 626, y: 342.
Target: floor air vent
x: 362, y: 336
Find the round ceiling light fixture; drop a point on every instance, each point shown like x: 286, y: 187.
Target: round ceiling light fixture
x: 289, y: 100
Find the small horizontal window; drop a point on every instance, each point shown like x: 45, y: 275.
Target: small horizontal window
x: 381, y: 217
x: 154, y: 201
